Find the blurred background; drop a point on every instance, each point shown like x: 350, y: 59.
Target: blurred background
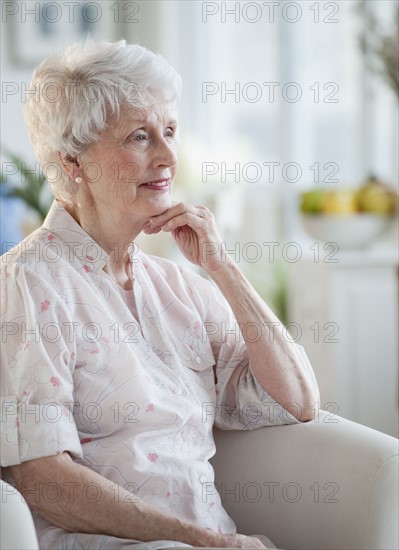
x: 289, y: 133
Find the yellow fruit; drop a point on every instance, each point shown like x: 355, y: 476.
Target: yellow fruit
x: 375, y: 199
x: 342, y: 203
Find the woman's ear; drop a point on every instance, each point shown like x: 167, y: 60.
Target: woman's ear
x: 70, y: 165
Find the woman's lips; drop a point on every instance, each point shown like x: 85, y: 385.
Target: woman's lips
x: 160, y: 185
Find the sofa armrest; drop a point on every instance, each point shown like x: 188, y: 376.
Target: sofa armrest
x: 17, y: 528
x: 321, y: 485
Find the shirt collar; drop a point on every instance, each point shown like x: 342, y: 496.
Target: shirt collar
x: 59, y: 223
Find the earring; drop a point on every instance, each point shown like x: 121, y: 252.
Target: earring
x: 78, y: 180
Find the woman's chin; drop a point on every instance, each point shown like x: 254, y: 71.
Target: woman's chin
x: 151, y: 206
x: 159, y: 206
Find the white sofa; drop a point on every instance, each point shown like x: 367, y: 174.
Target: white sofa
x: 328, y: 484
x: 353, y: 465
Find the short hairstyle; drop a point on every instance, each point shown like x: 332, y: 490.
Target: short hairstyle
x: 72, y: 95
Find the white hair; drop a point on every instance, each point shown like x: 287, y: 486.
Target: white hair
x: 73, y: 95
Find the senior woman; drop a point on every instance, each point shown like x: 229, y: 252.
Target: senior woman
x: 116, y: 365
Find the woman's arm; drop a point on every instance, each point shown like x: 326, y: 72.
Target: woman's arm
x: 274, y: 361
x: 80, y: 500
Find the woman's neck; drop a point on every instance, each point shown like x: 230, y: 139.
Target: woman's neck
x: 116, y: 238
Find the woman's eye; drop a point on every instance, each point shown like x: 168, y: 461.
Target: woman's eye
x: 170, y: 132
x: 140, y: 137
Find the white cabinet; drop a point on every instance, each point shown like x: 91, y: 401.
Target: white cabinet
x: 348, y: 314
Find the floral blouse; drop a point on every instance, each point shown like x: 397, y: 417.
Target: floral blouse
x: 132, y: 392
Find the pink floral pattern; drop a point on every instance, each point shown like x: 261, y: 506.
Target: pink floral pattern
x: 152, y: 457
x: 44, y: 305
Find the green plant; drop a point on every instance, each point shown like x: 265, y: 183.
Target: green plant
x: 31, y: 189
x: 379, y: 46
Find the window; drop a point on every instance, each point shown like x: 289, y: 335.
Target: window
x: 281, y: 83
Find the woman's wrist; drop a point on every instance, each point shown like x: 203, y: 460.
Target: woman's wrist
x: 201, y: 536
x: 226, y: 275
x: 221, y: 266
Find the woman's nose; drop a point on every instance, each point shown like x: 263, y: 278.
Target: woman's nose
x: 165, y: 154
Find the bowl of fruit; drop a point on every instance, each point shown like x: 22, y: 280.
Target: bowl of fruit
x: 350, y: 217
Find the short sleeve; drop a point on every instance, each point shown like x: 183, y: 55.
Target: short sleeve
x: 37, y: 359
x: 242, y: 403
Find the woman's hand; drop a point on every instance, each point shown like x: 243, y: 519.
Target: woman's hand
x: 241, y: 541
x: 195, y: 231
x: 218, y: 540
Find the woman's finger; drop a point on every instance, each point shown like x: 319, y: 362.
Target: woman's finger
x: 152, y: 230
x: 188, y: 218
x: 176, y: 210
x: 149, y: 229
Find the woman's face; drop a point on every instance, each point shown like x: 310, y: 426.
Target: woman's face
x: 132, y: 168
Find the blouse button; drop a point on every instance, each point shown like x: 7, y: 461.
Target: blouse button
x: 198, y: 359
x: 178, y: 391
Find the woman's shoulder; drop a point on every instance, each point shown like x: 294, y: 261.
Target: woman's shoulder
x: 26, y: 254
